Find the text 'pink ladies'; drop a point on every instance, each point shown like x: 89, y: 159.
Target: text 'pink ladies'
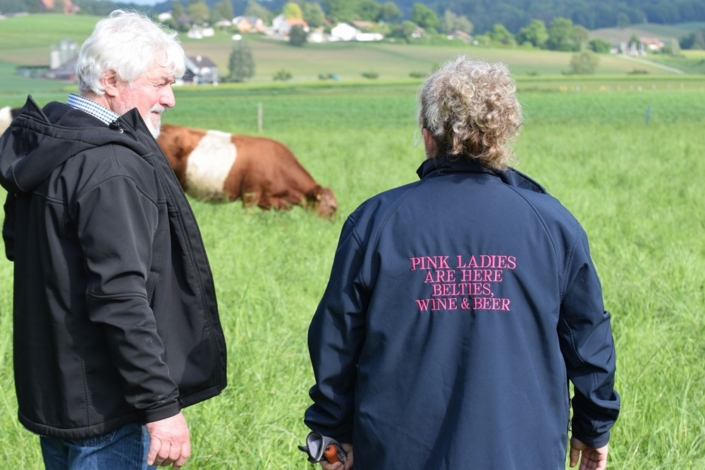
x: 463, y: 282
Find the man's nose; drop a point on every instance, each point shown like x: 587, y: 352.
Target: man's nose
x: 167, y: 98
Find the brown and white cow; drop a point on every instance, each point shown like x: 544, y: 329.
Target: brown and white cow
x: 7, y: 114
x: 219, y: 167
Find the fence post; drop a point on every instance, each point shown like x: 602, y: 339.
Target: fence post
x: 259, y: 117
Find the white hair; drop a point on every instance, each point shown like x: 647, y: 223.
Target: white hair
x: 128, y: 44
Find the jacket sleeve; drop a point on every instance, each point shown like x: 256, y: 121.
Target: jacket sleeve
x: 335, y: 337
x: 116, y: 224
x: 8, y: 226
x: 588, y: 348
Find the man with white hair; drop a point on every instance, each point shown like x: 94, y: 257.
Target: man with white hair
x: 116, y: 325
x: 460, y: 306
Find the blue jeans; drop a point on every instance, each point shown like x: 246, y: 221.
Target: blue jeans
x: 123, y: 449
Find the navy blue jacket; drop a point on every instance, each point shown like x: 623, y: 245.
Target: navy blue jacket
x: 458, y: 308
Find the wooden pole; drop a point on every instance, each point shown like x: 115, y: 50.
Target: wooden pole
x: 259, y: 117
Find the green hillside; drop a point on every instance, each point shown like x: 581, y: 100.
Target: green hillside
x: 673, y: 31
x: 617, y: 35
x: 26, y: 41
x: 692, y: 26
x: 390, y: 61
x: 692, y: 62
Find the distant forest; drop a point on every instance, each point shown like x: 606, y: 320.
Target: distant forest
x: 484, y: 14
x: 592, y: 14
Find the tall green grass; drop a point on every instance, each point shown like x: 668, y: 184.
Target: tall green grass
x: 635, y: 188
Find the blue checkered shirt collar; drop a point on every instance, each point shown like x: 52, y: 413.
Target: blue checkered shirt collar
x: 92, y: 108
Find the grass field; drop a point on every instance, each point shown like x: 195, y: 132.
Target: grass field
x: 691, y: 62
x: 635, y: 188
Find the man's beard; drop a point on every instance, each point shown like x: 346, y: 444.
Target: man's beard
x: 154, y: 128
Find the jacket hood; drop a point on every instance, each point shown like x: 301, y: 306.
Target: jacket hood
x: 445, y: 164
x: 34, y: 146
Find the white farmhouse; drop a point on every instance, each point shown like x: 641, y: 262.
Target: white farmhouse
x: 366, y: 37
x: 344, y: 32
x: 316, y: 36
x: 282, y: 26
x: 278, y: 23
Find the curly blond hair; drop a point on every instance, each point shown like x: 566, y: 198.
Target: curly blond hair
x: 471, y: 109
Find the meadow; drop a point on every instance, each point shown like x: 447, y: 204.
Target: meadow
x: 634, y: 186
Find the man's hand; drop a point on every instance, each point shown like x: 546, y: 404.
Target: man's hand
x: 592, y: 459
x: 348, y: 448
x: 169, y: 442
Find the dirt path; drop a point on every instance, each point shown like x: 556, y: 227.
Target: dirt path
x: 653, y: 64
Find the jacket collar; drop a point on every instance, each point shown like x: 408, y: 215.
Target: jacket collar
x: 444, y: 164
x: 33, y: 146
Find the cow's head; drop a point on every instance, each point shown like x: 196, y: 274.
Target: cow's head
x: 322, y: 200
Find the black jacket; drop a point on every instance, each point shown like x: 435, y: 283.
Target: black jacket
x: 458, y: 308
x: 115, y: 314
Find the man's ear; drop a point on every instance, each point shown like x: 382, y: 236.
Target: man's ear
x: 109, y: 82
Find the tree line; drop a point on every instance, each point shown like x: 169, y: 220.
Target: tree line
x: 592, y: 14
x: 539, y: 23
x: 484, y: 14
x: 515, y: 14
x: 548, y: 24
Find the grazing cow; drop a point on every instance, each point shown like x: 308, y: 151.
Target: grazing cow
x: 7, y: 114
x: 220, y: 167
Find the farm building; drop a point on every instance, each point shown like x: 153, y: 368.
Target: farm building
x: 347, y: 32
x: 344, y: 32
x: 200, y: 33
x: 281, y: 26
x: 66, y: 71
x: 653, y: 44
x: 200, y: 69
x: 61, y: 53
x: 49, y: 5
x: 249, y: 24
x: 364, y: 25
x: 461, y: 35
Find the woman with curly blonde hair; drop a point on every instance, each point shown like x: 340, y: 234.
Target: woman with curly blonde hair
x: 470, y: 110
x: 459, y: 307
